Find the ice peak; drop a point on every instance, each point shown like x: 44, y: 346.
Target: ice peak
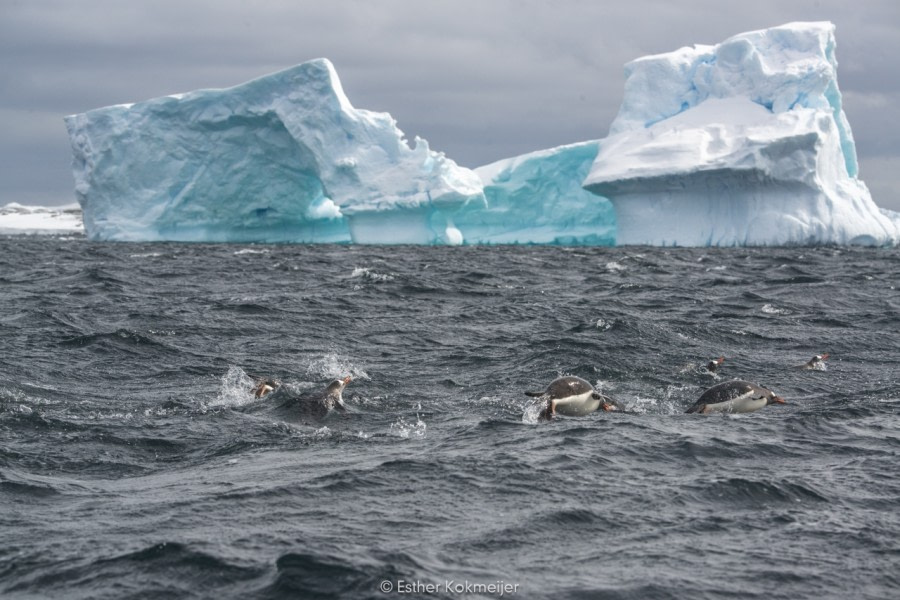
x: 740, y: 143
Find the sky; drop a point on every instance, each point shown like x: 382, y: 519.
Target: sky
x: 481, y: 80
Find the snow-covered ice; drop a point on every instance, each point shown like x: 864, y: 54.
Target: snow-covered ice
x: 743, y: 143
x: 20, y: 219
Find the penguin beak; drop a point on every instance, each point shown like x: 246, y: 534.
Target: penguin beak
x: 347, y: 379
x: 825, y: 356
x: 779, y: 400
x: 608, y: 407
x: 720, y: 360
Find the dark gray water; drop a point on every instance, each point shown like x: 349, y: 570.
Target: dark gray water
x: 135, y: 463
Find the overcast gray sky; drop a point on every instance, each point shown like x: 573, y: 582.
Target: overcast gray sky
x: 479, y: 79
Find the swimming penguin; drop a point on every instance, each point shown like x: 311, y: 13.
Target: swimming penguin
x: 816, y: 363
x: 735, y: 397
x: 573, y: 397
x: 265, y: 386
x: 712, y: 365
x: 317, y: 405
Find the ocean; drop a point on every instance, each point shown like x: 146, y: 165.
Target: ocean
x: 136, y: 463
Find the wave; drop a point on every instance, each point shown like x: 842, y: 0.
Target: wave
x: 737, y: 492
x: 120, y: 340
x: 126, y: 407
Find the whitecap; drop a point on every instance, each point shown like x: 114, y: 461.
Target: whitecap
x: 367, y: 273
x: 769, y: 309
x: 322, y: 433
x: 403, y: 429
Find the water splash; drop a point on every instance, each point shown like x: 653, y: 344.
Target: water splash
x: 334, y: 366
x: 235, y: 389
x: 405, y: 430
x: 532, y: 414
x: 667, y: 402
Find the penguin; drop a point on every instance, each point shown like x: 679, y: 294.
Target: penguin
x: 573, y: 397
x: 816, y: 363
x: 712, y: 365
x: 264, y: 386
x: 735, y: 396
x: 318, y: 405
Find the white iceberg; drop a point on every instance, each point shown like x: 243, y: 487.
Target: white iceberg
x: 743, y: 143
x: 283, y: 158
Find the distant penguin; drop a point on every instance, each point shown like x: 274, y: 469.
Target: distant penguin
x: 318, y: 404
x: 712, y: 365
x: 734, y: 397
x: 816, y: 363
x: 573, y: 397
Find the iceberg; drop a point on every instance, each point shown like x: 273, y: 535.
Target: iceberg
x: 742, y: 143
x: 537, y: 198
x: 282, y: 158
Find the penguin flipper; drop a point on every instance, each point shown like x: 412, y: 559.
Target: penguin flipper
x: 534, y: 394
x: 697, y: 408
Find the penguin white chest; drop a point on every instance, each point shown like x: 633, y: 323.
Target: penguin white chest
x: 742, y: 404
x: 577, y: 405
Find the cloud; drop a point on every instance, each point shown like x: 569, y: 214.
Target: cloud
x: 481, y: 80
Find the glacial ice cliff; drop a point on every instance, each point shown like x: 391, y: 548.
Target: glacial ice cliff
x: 537, y: 198
x: 743, y: 143
x: 283, y: 158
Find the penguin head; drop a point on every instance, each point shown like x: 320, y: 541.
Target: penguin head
x: 714, y: 363
x: 772, y: 398
x: 338, y: 384
x: 334, y: 389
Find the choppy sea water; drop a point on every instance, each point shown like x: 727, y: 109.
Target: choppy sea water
x: 135, y: 462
